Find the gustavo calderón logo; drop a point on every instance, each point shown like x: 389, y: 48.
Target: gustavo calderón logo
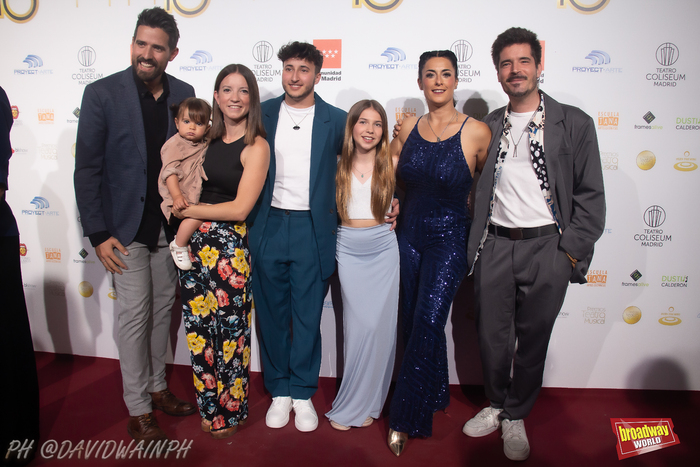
x: 377, y: 6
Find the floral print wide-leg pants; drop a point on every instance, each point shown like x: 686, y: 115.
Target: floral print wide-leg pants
x: 216, y: 304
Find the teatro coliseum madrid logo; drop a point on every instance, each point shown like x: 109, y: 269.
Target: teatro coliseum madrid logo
x: 667, y: 54
x: 654, y: 216
x: 86, y: 56
x: 462, y: 49
x: 263, y: 51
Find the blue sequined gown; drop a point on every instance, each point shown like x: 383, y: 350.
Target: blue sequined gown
x: 432, y: 236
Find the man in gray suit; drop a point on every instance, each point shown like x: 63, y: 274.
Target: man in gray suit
x: 124, y: 122
x: 539, y: 208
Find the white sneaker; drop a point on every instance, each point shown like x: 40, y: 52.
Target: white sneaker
x: 515, y: 444
x: 305, y: 418
x: 278, y: 413
x: 483, y: 423
x: 181, y: 256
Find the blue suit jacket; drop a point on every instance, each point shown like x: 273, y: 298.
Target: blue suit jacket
x: 110, y: 154
x: 326, y: 143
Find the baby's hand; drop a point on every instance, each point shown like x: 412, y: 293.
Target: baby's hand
x: 179, y: 203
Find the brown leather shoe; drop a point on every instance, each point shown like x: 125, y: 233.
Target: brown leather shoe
x: 167, y: 402
x: 145, y: 427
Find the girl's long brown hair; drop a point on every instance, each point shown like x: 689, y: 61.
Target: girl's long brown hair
x: 383, y: 179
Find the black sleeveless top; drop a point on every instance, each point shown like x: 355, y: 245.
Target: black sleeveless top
x: 222, y: 164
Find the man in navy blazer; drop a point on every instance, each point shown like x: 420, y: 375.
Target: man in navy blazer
x: 292, y: 235
x: 539, y: 209
x: 124, y: 121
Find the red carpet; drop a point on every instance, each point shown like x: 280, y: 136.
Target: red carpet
x: 81, y: 400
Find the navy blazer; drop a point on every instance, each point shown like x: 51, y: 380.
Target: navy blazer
x: 326, y: 144
x: 110, y: 154
x: 575, y: 177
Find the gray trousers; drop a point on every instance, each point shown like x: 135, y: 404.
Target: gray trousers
x: 519, y: 287
x: 145, y: 294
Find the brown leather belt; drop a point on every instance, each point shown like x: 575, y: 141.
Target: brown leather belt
x: 523, y: 234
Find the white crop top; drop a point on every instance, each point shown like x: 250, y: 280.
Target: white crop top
x: 360, y: 202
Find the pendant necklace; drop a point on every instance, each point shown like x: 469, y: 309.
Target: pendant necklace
x: 443, y: 130
x: 296, y: 125
x: 525, y: 130
x: 362, y: 174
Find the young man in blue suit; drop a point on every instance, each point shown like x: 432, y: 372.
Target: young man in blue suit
x: 124, y: 122
x: 292, y: 235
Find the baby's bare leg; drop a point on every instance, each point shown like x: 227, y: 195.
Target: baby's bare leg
x: 187, y: 228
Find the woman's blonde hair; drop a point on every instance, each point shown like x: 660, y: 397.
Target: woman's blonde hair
x: 383, y: 179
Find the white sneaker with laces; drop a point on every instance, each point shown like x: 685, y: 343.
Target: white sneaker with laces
x: 181, y: 256
x: 278, y: 413
x: 483, y: 423
x: 305, y: 418
x: 515, y: 444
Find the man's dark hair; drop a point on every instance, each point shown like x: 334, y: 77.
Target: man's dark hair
x: 157, y: 17
x: 425, y: 56
x: 302, y: 51
x: 516, y: 36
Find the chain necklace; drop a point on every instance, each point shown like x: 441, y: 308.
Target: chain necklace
x: 362, y: 174
x: 443, y: 130
x: 296, y: 125
x: 525, y: 130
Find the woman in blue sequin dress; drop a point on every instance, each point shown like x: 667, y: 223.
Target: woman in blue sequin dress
x: 438, y: 155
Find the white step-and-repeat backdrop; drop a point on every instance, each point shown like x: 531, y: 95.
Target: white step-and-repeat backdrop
x: 631, y: 64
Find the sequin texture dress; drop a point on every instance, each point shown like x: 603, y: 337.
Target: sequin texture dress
x: 432, y: 236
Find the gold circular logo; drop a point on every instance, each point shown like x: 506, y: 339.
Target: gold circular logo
x: 632, y: 315
x: 85, y: 289
x: 112, y: 293
x: 670, y: 320
x: 646, y: 160
x: 685, y: 166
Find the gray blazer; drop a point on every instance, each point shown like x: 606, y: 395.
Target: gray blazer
x: 575, y: 177
x: 110, y: 154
